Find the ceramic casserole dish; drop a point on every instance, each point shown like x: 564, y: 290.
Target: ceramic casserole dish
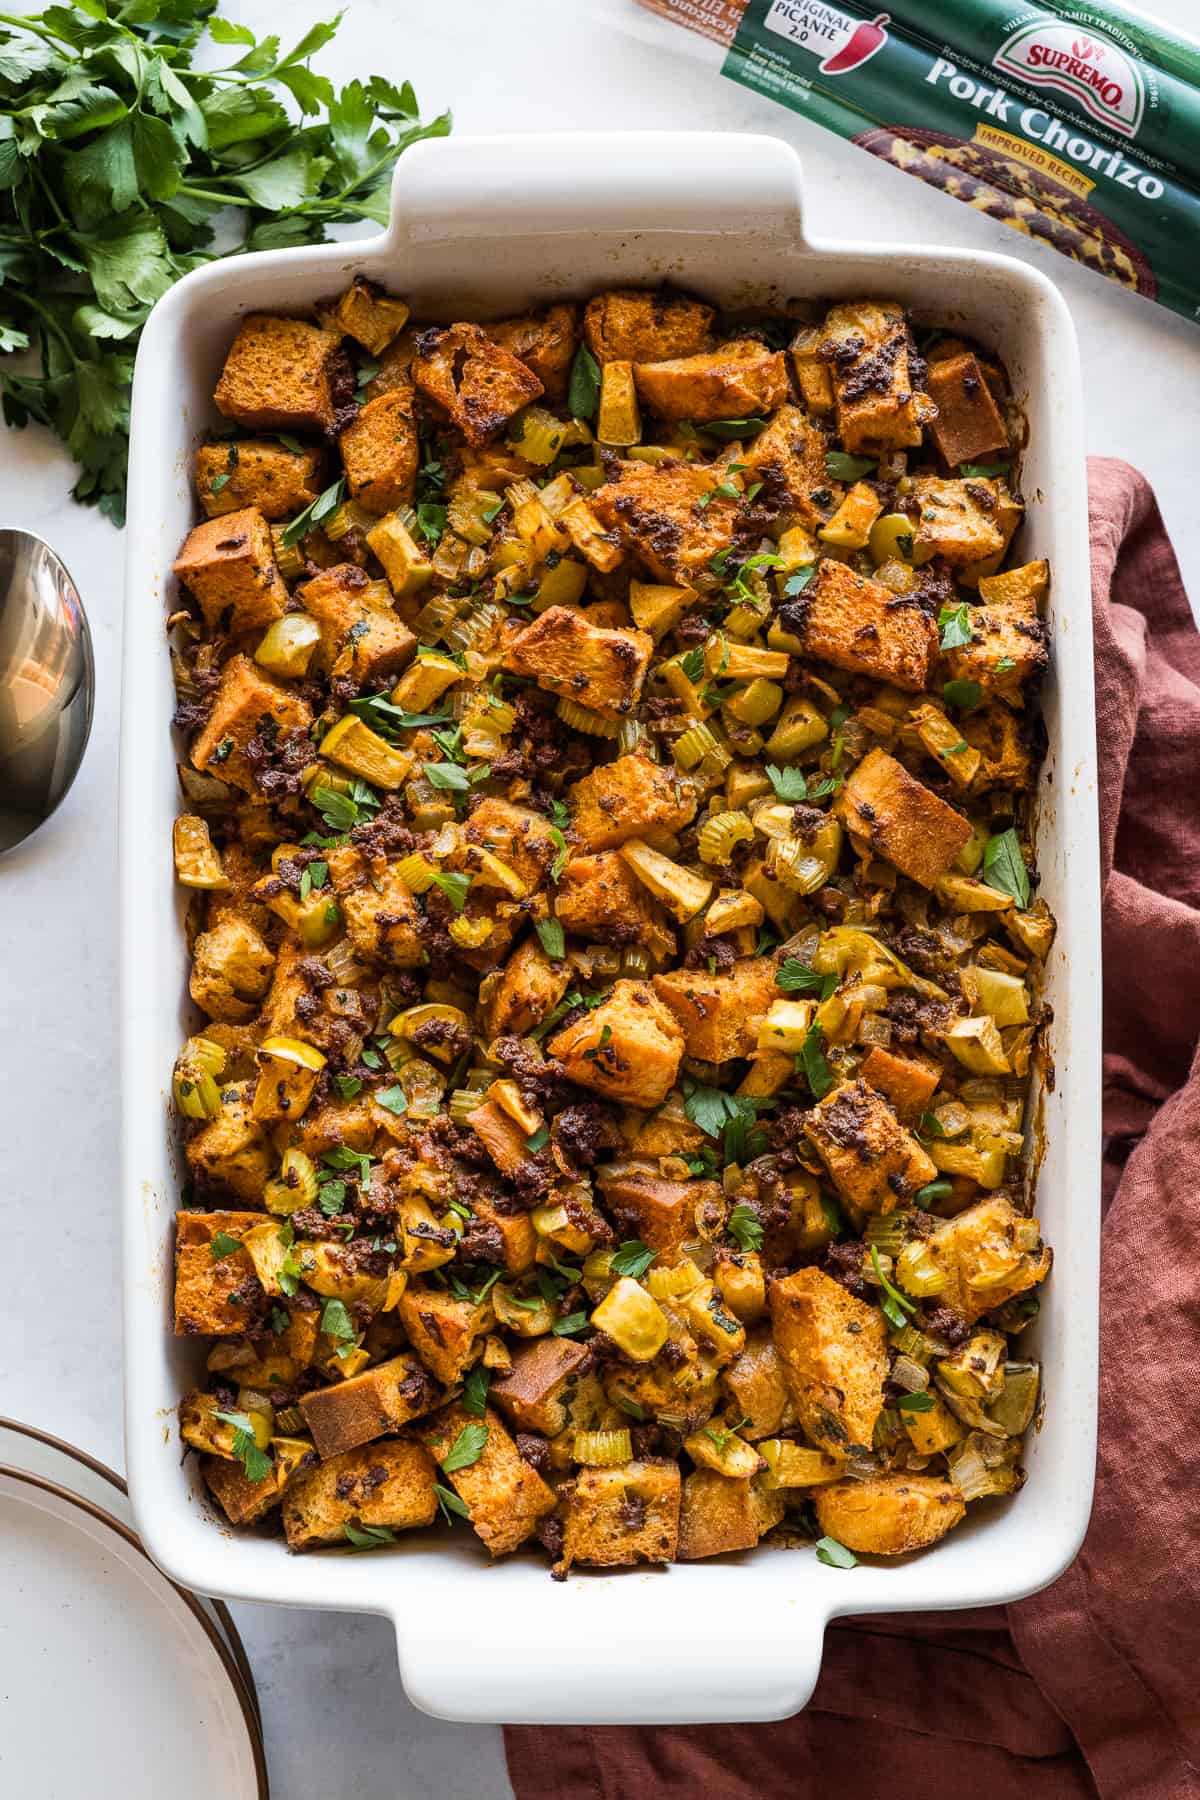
x: 481, y: 228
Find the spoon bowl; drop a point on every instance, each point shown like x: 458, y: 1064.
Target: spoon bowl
x: 47, y: 683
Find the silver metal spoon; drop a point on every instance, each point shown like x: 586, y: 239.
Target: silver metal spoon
x: 47, y: 683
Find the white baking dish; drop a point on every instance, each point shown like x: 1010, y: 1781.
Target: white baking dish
x: 480, y: 227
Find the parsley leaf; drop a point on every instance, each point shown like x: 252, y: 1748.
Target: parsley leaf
x: 222, y: 1245
x: 466, y: 1449
x: 560, y: 860
x: 812, y: 1062
x: 791, y: 785
x: 446, y: 775
x: 337, y: 1324
x: 379, y: 713
x: 798, y: 580
x: 795, y: 977
x: 954, y: 626
x: 552, y: 938
x: 745, y: 1227
x: 982, y: 471
x: 836, y: 1555
x: 431, y: 521
x: 734, y: 428
x: 966, y: 695
x: 841, y: 467
x: 568, y: 1327
x: 1004, y: 867
x: 934, y: 1190
x: 475, y: 1387
x: 394, y: 1098
x: 321, y: 508
x: 449, y: 1502
x: 894, y: 1305
x: 915, y: 1403
x: 455, y: 885
x: 254, y: 1461
x: 1004, y: 665
x: 692, y: 663
x: 368, y: 1537
x: 632, y: 1258
x: 583, y: 393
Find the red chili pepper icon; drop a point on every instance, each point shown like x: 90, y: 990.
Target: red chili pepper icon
x: 862, y: 43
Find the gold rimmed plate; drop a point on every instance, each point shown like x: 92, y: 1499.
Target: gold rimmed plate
x: 158, y: 1698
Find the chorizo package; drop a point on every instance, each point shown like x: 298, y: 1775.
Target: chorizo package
x: 1076, y: 123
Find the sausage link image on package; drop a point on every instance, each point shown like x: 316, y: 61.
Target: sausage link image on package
x: 1075, y: 124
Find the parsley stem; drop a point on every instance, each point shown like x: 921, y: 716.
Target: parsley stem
x: 197, y: 193
x: 48, y: 319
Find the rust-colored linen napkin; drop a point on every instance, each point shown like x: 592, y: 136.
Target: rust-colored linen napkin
x: 1090, y: 1687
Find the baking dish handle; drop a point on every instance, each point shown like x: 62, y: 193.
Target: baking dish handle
x: 635, y: 181
x: 630, y: 1648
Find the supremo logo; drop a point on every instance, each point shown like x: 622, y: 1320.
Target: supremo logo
x: 1093, y: 71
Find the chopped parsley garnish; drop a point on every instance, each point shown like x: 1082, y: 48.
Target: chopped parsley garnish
x: 368, y: 1537
x: 222, y: 1245
x: 347, y: 1086
x: 254, y: 1461
x: 954, y: 626
x: 836, y: 1555
x: 583, y: 393
x: 337, y: 1324
x: 915, y: 1403
x: 455, y: 885
x: 431, y: 521
x: 394, y: 1098
x: 982, y: 471
x: 734, y: 428
x: 466, y: 1449
x: 841, y: 467
x: 1004, y: 866
x: 791, y: 785
x: 934, y: 1190
x: 475, y: 1388
x: 378, y: 712
x: 692, y: 663
x: 795, y: 977
x: 965, y: 695
x: 745, y: 1227
x: 552, y: 938
x: 321, y: 508
x: 568, y: 1327
x: 632, y: 1258
x: 812, y: 1064
x: 894, y: 1305
x: 798, y: 580
x: 449, y: 1503
x: 1004, y: 665
x: 539, y: 1140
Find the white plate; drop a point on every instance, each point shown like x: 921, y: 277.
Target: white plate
x: 28, y: 1451
x: 112, y: 1680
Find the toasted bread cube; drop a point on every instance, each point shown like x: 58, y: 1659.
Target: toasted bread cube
x: 447, y: 1334
x: 527, y: 989
x: 956, y: 521
x: 593, y: 666
x: 866, y: 346
x: 478, y: 383
x: 835, y: 1358
x: 380, y: 1400
x: 230, y: 1151
x: 873, y: 1162
x: 278, y: 375
x: 652, y: 1207
x: 545, y: 342
x: 243, y: 1501
x: 901, y: 819
x: 720, y: 1014
x: 627, y: 1049
x: 719, y: 1515
x: 368, y: 315
x: 379, y: 642
x: 536, y: 1394
x: 256, y: 473
x: 811, y: 371
x: 756, y: 1383
x: 629, y: 325
x: 383, y: 923
x: 627, y: 1514
x: 231, y: 970
x: 1007, y: 630
x: 205, y: 1285
x: 229, y: 565
x: 600, y: 897
x: 907, y: 1083
x: 733, y: 382
x: 1005, y: 752
x: 381, y: 451
x: 520, y: 837
x: 788, y: 457
x: 859, y: 625
x: 968, y: 427
x: 506, y: 1239
x: 504, y: 1494
x: 978, y: 1252
x: 887, y: 1515
x: 245, y: 700
x: 390, y: 1484
x: 287, y: 1012
x: 655, y: 512
x: 631, y: 797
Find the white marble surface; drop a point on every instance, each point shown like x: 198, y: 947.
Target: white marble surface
x: 336, y: 1719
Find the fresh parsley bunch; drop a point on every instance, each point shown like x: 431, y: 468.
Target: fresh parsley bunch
x: 117, y: 155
